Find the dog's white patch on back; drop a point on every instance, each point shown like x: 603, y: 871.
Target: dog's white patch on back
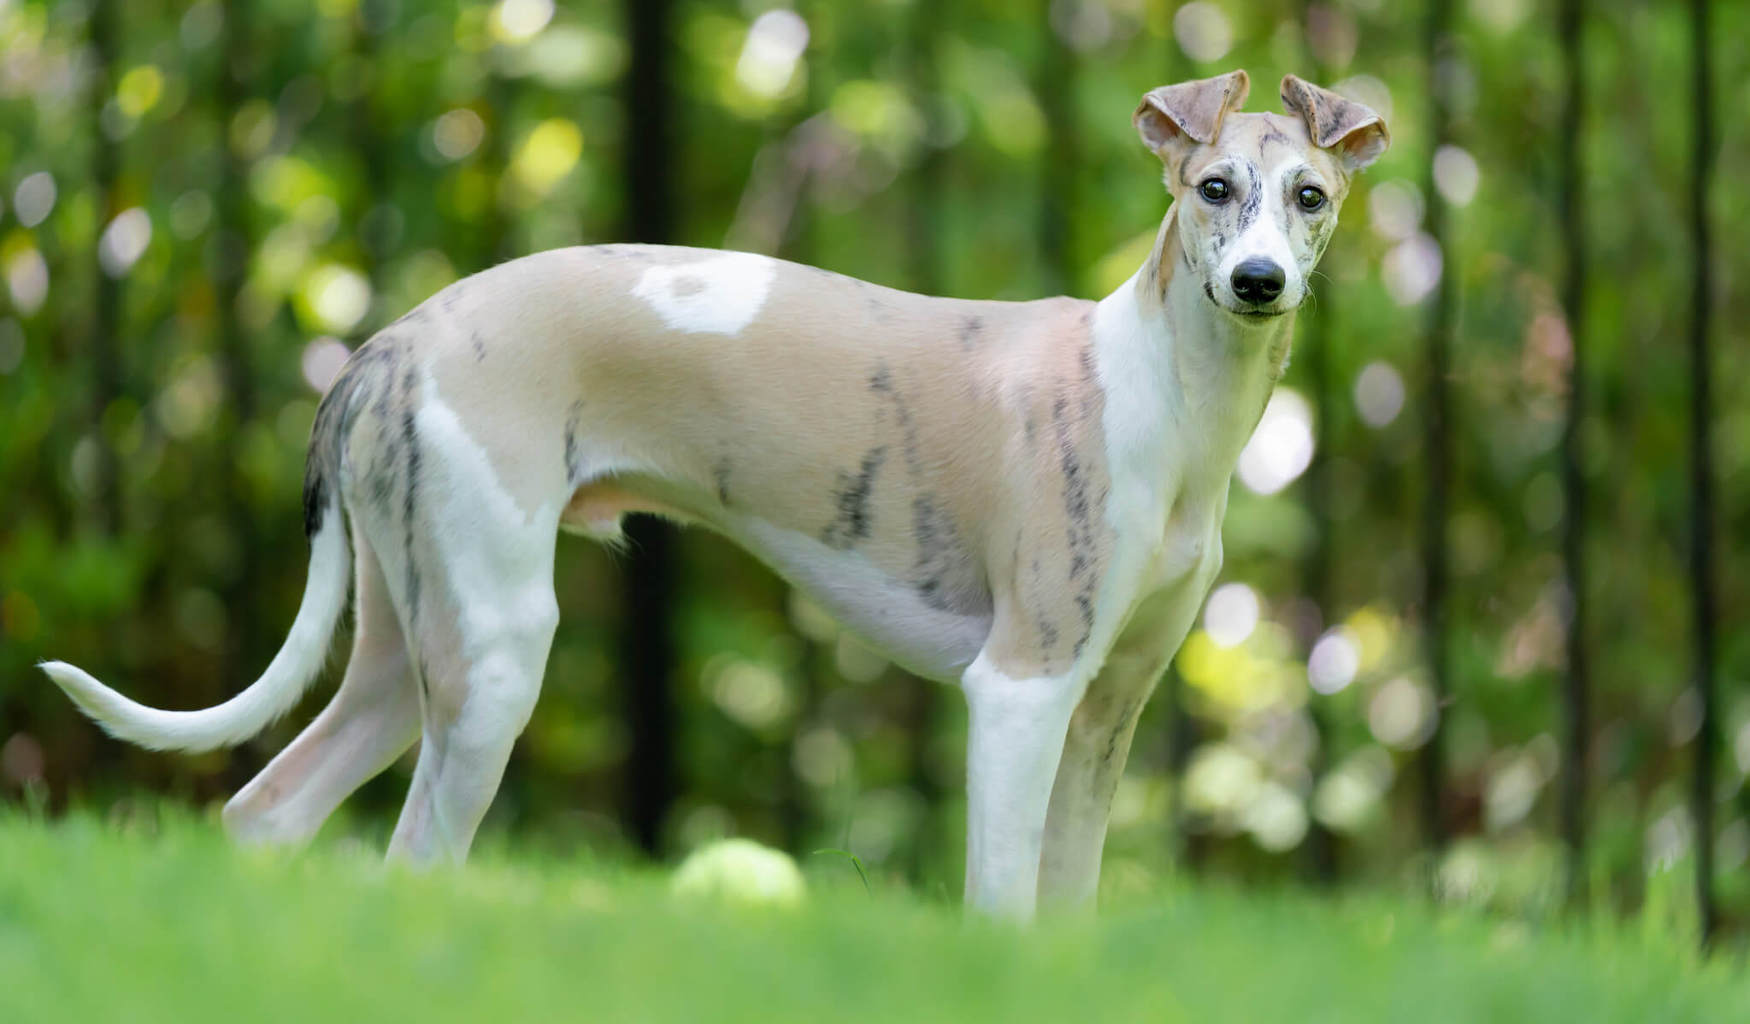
x: 719, y: 294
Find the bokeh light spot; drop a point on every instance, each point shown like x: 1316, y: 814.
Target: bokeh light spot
x: 1379, y: 394
x: 1203, y: 31
x: 34, y: 198
x: 27, y: 278
x: 139, y: 90
x: 518, y: 21
x: 1394, y: 209
x: 1231, y: 614
x: 338, y: 296
x: 321, y: 362
x: 775, y: 43
x: 1456, y: 175
x: 1401, y: 713
x: 1282, y: 445
x: 547, y: 155
x: 1333, y: 662
x: 456, y: 133
x: 124, y: 241
x: 1412, y: 268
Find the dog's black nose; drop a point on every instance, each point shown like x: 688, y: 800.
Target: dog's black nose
x: 1258, y: 280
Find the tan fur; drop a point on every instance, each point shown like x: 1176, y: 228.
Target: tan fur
x: 973, y: 416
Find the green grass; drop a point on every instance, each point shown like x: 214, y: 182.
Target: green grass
x: 165, y: 921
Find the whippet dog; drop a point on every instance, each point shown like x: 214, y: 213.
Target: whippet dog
x: 1024, y: 498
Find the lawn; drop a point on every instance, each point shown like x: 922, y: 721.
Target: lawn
x: 164, y: 921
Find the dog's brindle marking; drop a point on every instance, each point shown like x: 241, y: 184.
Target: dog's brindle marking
x: 720, y: 476
x: 410, y: 491
x: 574, y: 467
x: 1046, y: 542
x: 851, y: 500
x: 970, y: 329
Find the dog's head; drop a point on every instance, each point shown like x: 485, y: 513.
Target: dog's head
x: 1256, y: 195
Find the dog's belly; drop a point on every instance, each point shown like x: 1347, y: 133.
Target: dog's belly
x: 889, y: 613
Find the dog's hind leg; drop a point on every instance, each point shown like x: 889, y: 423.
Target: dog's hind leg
x: 470, y: 568
x: 372, y: 719
x: 481, y: 641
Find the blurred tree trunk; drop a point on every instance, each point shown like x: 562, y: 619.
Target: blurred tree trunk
x: 1576, y: 689
x: 104, y: 351
x: 1701, y: 527
x: 647, y: 656
x: 1431, y: 766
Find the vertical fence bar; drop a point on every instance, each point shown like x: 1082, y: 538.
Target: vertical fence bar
x: 1701, y: 525
x: 647, y: 654
x: 1055, y: 87
x: 1576, y: 690
x: 1320, y: 863
x: 1431, y: 758
x: 104, y: 351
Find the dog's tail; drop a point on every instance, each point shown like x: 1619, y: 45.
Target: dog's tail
x: 269, y: 697
x: 306, y: 646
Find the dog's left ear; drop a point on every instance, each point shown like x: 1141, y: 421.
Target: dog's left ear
x: 1351, y: 130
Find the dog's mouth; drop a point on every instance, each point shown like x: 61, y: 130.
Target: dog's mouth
x: 1249, y: 314
x: 1257, y: 316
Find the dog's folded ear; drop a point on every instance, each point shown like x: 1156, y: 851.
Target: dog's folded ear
x: 1351, y: 130
x: 1173, y: 118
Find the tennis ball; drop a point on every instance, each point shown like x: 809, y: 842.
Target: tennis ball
x: 740, y: 872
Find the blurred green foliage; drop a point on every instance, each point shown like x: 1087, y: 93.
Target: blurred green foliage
x: 371, y: 151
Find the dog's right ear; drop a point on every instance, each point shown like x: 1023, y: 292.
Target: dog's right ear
x: 1173, y: 118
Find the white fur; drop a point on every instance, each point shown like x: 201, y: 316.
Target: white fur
x: 719, y: 294
x: 1264, y: 236
x: 496, y: 560
x: 885, y: 612
x: 1015, y: 732
x: 269, y: 697
x: 372, y: 720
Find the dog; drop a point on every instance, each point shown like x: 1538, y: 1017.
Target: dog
x: 1023, y: 498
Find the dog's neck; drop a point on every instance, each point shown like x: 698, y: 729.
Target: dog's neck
x: 1203, y: 374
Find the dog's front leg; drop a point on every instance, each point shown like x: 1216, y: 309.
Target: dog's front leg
x: 1098, y: 739
x: 1094, y: 752
x: 1015, y: 737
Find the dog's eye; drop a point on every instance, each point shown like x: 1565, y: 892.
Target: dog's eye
x: 1311, y: 198
x: 1215, y: 190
